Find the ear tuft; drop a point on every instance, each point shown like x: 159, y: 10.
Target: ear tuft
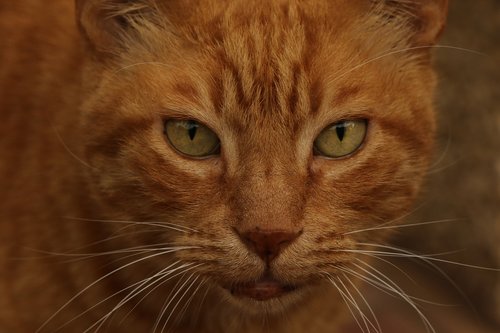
x: 107, y: 24
x: 426, y: 17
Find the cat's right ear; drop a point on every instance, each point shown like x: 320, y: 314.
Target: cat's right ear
x: 107, y: 25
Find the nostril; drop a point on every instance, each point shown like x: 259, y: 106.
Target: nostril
x: 268, y: 244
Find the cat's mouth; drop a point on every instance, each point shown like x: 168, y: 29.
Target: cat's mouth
x: 263, y: 289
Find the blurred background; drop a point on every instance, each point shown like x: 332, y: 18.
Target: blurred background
x: 463, y: 184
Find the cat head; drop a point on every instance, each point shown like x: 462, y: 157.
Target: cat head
x: 269, y: 133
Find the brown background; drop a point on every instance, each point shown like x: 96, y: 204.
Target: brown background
x: 464, y: 181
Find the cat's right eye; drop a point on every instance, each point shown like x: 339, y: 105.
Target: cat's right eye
x: 191, y: 138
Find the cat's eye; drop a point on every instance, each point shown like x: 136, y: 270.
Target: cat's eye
x: 192, y: 138
x: 341, y: 139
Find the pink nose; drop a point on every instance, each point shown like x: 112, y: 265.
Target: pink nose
x: 268, y: 244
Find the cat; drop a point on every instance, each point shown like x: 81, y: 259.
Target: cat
x: 206, y: 166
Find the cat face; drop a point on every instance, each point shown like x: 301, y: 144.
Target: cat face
x: 261, y: 207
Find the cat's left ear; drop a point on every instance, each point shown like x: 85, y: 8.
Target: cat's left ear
x: 428, y: 18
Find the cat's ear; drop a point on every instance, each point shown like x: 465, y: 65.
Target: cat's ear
x: 107, y: 25
x: 427, y: 18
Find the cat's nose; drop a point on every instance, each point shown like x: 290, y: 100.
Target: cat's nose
x: 268, y: 244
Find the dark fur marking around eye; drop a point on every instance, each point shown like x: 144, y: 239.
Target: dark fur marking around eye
x: 346, y: 93
x: 110, y: 144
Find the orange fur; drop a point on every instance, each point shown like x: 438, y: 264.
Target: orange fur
x: 82, y: 104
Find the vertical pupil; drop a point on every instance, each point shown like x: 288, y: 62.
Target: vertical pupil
x: 192, y: 129
x: 340, y: 129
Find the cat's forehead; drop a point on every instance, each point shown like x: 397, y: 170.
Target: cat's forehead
x: 272, y: 58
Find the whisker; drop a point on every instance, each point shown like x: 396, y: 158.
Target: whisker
x: 408, y: 276
x: 394, y: 288
x: 407, y: 49
x: 160, y: 284
x: 365, y: 319
x: 197, y: 311
x: 404, y: 253
x: 187, y: 289
x: 379, y: 329
x: 167, y: 299
x: 379, y: 286
x: 188, y: 303
x: 170, y: 300
x: 431, y: 264
x: 394, y: 254
x: 147, y: 248
x: 99, y: 280
x: 166, y: 225
x: 116, y: 235
x: 443, y: 154
x: 400, y: 226
x: 347, y: 303
x: 106, y: 299
x: 155, y: 63
x: 70, y: 152
x: 421, y: 300
x: 164, y: 276
x: 401, y: 217
x: 435, y: 167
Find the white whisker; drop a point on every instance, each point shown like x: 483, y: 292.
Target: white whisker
x: 160, y: 284
x: 408, y: 276
x: 106, y: 299
x: 197, y: 312
x: 70, y: 152
x: 166, y: 225
x: 99, y: 280
x: 387, y: 288
x: 188, y: 303
x: 155, y: 63
x: 432, y: 257
x: 145, y: 248
x: 365, y: 319
x: 404, y: 50
x: 163, y: 276
x: 431, y: 264
x: 400, y: 226
x: 379, y: 329
x: 187, y: 289
x: 382, y: 278
x: 347, y: 303
x: 168, y: 302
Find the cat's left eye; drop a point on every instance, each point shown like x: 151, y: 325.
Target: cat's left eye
x: 191, y: 138
x: 341, y: 139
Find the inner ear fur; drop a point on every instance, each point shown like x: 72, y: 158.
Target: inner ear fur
x: 426, y: 17
x: 107, y: 24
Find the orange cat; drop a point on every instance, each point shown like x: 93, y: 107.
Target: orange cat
x: 205, y: 166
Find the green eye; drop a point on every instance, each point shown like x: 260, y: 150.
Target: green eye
x: 192, y: 138
x: 341, y: 139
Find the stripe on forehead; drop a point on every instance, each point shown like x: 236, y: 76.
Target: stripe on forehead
x: 262, y: 66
